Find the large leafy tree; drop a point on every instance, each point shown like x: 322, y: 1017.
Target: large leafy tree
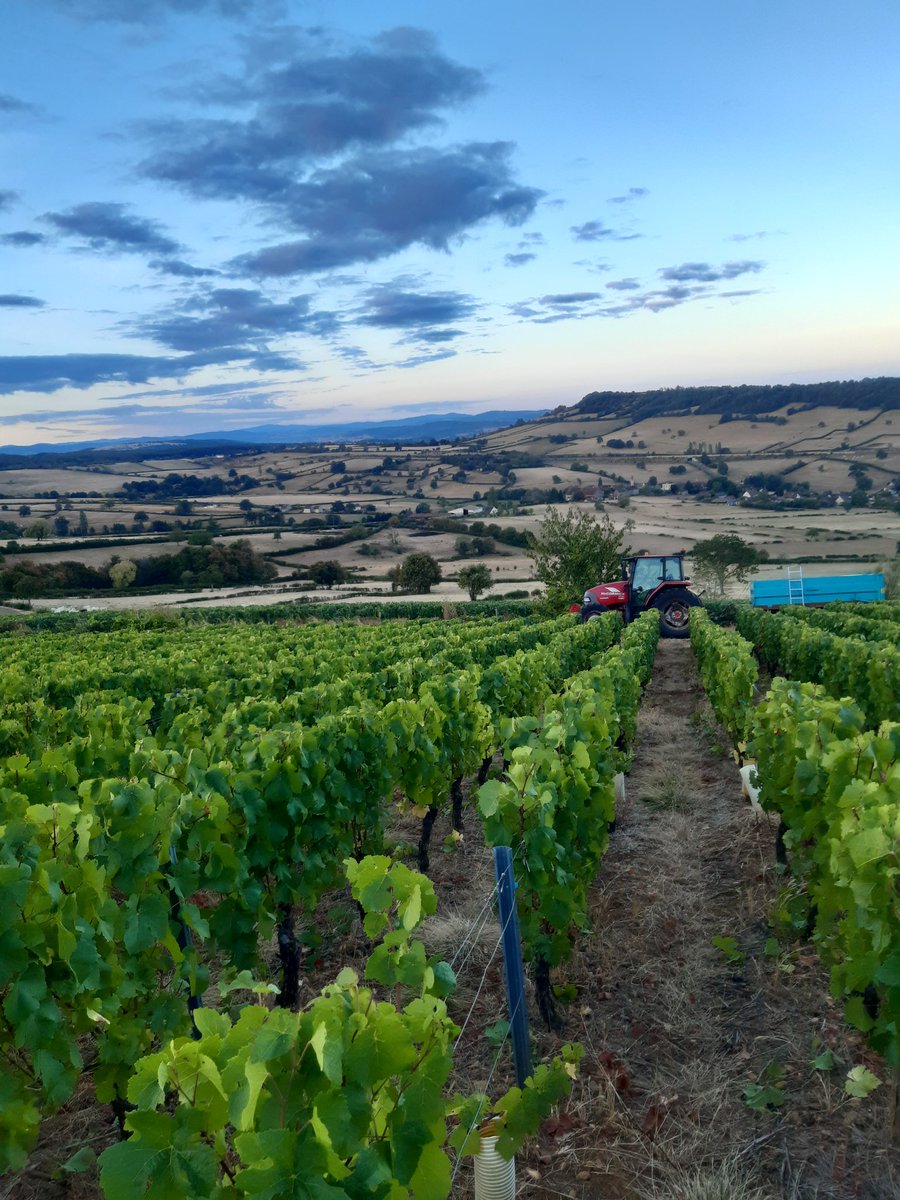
x: 419, y: 572
x: 573, y: 551
x: 724, y: 558
x: 475, y: 579
x: 327, y: 574
x: 122, y: 574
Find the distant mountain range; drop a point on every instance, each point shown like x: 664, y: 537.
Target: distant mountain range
x: 405, y: 429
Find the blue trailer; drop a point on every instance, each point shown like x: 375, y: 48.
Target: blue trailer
x: 815, y: 589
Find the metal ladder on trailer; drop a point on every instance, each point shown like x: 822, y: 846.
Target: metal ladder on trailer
x: 795, y: 585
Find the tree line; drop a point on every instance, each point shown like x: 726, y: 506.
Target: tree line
x: 217, y: 565
x: 743, y: 400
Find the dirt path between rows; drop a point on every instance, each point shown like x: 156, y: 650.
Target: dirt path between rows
x: 674, y: 1030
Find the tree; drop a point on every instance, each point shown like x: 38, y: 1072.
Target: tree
x: 475, y: 579
x: 37, y: 530
x: 328, y: 573
x: 122, y: 573
x: 723, y: 558
x: 573, y: 552
x: 419, y: 572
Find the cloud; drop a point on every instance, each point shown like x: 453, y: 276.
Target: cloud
x: 702, y: 272
x: 14, y: 301
x: 180, y: 269
x: 596, y: 231
x: 564, y: 299
x: 387, y: 308
x: 237, y: 320
x: 519, y: 260
x: 418, y: 359
x: 559, y: 306
x: 217, y: 393
x: 193, y: 403
x: 238, y: 402
x: 597, y: 266
x: 147, y: 12
x: 437, y: 336
x: 50, y: 372
x: 12, y: 104
x: 581, y: 306
x: 107, y: 226
x: 634, y: 193
x: 669, y: 297
x: 375, y: 205
x: 222, y: 327
x: 320, y: 103
x: 318, y: 133
x: 7, y: 199
x: 22, y: 237
x: 752, y: 237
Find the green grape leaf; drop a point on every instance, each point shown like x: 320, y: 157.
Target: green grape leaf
x: 824, y: 1060
x: 432, y: 1177
x: 82, y: 1160
x: 730, y: 948
x: 489, y: 797
x: 379, y: 1050
x: 861, y: 1082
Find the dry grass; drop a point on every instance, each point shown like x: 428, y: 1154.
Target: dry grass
x: 726, y: 1181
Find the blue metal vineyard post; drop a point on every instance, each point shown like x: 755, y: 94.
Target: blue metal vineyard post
x: 512, y: 963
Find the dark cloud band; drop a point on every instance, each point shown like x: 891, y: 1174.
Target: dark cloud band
x: 11, y: 300
x: 702, y: 272
x: 107, y: 226
x: 374, y: 206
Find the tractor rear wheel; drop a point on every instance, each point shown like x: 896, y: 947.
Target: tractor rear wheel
x: 674, y: 612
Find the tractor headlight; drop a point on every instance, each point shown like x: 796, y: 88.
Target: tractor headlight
x: 588, y: 598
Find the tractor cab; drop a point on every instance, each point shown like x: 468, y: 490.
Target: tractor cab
x: 649, y: 581
x: 647, y: 572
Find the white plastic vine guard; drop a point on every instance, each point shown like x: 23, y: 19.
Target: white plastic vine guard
x: 749, y: 779
x: 619, y: 786
x: 495, y: 1177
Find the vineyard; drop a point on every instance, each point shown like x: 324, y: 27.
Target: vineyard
x: 181, y: 806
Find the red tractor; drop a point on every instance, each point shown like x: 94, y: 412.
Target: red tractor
x: 651, y: 581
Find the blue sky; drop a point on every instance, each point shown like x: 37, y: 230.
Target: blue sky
x: 216, y: 213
